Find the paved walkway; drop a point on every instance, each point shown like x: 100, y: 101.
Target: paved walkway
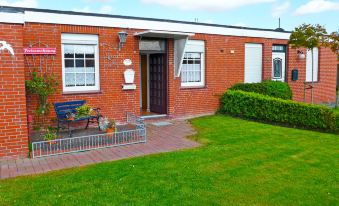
x: 160, y: 139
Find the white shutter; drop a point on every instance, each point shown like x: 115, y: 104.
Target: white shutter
x: 253, y: 63
x: 309, y: 65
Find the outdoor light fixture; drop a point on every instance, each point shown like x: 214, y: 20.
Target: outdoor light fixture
x: 301, y: 54
x: 122, y: 38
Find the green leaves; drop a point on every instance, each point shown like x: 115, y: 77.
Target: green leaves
x: 265, y: 108
x: 42, y: 86
x: 271, y: 88
x: 308, y: 36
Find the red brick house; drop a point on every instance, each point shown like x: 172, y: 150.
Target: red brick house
x: 181, y: 68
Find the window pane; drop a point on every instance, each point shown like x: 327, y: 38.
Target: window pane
x: 79, y: 63
x: 90, y: 63
x: 80, y: 69
x: 70, y: 80
x: 70, y: 70
x: 90, y: 79
x: 68, y: 51
x: 69, y: 63
x: 80, y: 79
x: 277, y: 68
x: 90, y: 69
x: 89, y: 55
x: 79, y: 51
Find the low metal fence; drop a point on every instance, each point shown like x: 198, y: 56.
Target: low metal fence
x: 92, y: 142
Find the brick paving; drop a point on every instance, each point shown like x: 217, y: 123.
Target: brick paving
x: 159, y: 139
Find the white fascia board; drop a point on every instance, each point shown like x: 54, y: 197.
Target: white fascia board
x: 55, y: 18
x: 14, y: 18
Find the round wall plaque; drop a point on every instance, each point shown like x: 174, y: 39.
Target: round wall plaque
x: 127, y: 62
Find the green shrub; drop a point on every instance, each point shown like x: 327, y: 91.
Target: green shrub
x: 261, y: 107
x: 271, y: 88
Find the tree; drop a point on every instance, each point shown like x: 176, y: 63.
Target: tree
x: 309, y: 36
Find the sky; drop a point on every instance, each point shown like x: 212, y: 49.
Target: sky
x: 248, y: 13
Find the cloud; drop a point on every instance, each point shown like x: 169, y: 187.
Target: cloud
x: 85, y: 9
x: 206, y: 5
x: 279, y: 9
x: 317, y: 6
x: 22, y: 3
x: 106, y: 9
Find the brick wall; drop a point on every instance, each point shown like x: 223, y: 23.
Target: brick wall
x: 223, y: 69
x: 13, y: 119
x: 113, y: 101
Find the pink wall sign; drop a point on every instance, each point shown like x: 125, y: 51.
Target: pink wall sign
x: 41, y: 51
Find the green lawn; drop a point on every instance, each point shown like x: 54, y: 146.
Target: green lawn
x: 241, y: 163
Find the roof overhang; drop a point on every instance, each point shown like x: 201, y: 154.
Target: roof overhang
x: 164, y: 34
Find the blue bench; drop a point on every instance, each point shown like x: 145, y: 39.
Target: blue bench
x: 64, y: 109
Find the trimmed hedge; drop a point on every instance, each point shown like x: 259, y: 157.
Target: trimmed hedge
x: 261, y: 107
x: 271, y: 88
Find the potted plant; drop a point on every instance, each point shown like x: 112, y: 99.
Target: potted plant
x: 42, y: 85
x: 107, y: 125
x: 83, y: 111
x: 70, y: 116
x: 50, y: 135
x: 110, y: 126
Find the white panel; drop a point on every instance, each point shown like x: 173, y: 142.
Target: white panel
x: 79, y: 39
x: 195, y: 46
x: 55, y: 18
x: 179, y: 52
x: 315, y: 65
x: 16, y: 18
x: 253, y: 63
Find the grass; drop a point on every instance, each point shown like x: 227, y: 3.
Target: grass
x: 241, y: 163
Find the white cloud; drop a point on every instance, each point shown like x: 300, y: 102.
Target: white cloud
x: 21, y: 3
x: 279, y: 9
x: 317, y: 6
x: 85, y: 9
x: 106, y: 9
x: 206, y: 5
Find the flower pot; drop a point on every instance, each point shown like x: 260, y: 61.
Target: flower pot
x: 110, y: 130
x: 52, y: 142
x: 129, y: 76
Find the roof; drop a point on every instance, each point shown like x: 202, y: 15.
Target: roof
x: 32, y: 14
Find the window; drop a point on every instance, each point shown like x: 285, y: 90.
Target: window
x: 309, y: 65
x: 277, y: 68
x: 193, y: 66
x: 80, y: 58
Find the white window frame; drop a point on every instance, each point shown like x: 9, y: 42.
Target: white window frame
x: 315, y: 64
x: 196, y: 46
x: 81, y: 39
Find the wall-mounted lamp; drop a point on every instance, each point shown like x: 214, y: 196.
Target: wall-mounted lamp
x: 122, y: 38
x: 301, y: 54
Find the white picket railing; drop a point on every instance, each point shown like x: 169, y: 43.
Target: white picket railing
x: 92, y: 142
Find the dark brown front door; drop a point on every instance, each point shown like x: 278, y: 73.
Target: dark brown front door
x: 158, y: 83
